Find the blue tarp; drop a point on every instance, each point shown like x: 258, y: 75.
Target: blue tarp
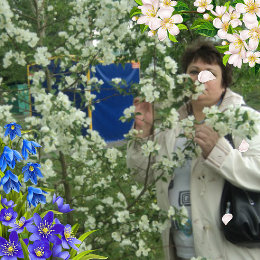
x: 105, y: 117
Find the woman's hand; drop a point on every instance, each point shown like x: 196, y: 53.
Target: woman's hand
x: 206, y: 138
x: 144, y: 121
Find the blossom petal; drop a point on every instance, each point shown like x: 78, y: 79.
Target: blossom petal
x: 162, y: 34
x: 174, y: 30
x: 217, y: 23
x: 240, y: 8
x: 164, y: 13
x: 249, y: 18
x: 155, y: 24
x: 253, y: 44
x: 205, y: 76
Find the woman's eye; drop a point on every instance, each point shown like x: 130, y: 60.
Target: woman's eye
x: 193, y: 72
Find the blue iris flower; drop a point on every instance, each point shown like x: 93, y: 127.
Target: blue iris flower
x: 44, y: 229
x: 9, y: 157
x: 10, y: 182
x: 13, y: 130
x: 11, y: 249
x: 35, y: 196
x: 7, y: 216
x: 39, y: 250
x: 64, y: 208
x: 31, y: 171
x: 29, y: 146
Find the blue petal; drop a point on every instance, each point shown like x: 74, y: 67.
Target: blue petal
x: 8, y: 153
x: 38, y: 172
x: 37, y: 219
x: 35, y: 144
x: 13, y: 236
x: 49, y: 217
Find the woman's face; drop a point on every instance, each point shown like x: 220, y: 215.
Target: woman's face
x: 213, y: 88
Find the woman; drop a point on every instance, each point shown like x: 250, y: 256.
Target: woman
x: 205, y: 175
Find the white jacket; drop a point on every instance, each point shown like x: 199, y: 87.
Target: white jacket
x: 207, y: 180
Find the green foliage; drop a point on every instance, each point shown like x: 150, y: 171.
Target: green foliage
x: 225, y: 59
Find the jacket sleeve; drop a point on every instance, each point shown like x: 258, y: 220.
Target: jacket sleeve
x: 242, y: 169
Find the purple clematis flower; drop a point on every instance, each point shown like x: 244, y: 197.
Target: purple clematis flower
x: 7, y: 216
x: 10, y: 182
x: 57, y: 252
x: 13, y: 130
x: 29, y: 146
x: 39, y: 250
x: 19, y: 225
x: 9, y: 157
x: 11, y: 249
x: 35, y: 196
x: 62, y: 208
x: 31, y: 171
x: 44, y: 229
x: 8, y: 204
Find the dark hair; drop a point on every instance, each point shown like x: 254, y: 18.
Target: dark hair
x: 207, y: 52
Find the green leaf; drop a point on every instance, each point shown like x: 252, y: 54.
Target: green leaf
x: 1, y: 230
x: 26, y: 131
x: 139, y: 2
x: 197, y: 23
x: 135, y: 11
x: 172, y: 38
x: 54, y: 211
x: 1, y: 174
x: 207, y: 29
x: 233, y: 3
x: 143, y: 27
x: 223, y: 48
x: 225, y: 59
x: 257, y: 68
x: 181, y: 7
x: 85, y: 235
x: 182, y: 27
x: 25, y: 250
x: 75, y: 228
x: 73, y: 252
x: 227, y: 4
x: 83, y: 256
x: 46, y: 189
x: 36, y: 209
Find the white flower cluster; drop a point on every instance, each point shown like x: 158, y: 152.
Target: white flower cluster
x: 144, y: 224
x: 187, y: 124
x: 199, y: 89
x: 128, y: 113
x: 150, y: 147
x: 239, y: 121
x: 116, y: 80
x: 150, y: 93
x: 172, y: 120
x: 143, y: 249
x: 171, y: 64
x: 42, y: 56
x: 10, y: 30
x: 112, y: 155
x: 122, y: 216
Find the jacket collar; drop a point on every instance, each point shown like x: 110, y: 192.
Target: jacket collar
x: 230, y: 98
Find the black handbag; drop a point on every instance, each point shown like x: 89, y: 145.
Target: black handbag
x: 244, y: 228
